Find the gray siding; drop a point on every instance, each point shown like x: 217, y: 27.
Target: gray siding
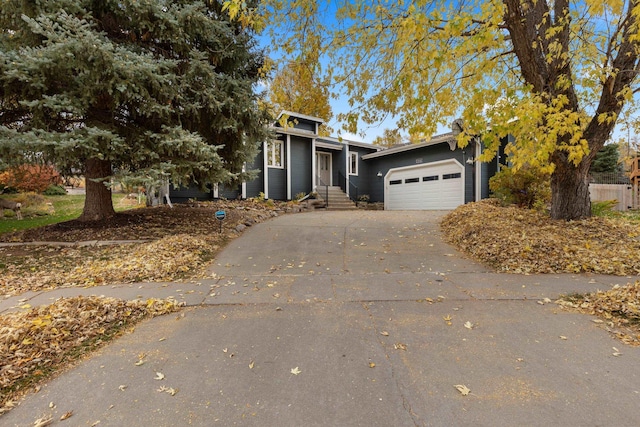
x: 256, y: 186
x: 366, y: 175
x: 226, y: 191
x: 277, y: 183
x: 184, y: 194
x: 300, y: 166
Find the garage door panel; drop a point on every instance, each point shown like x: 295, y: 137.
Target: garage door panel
x: 429, y: 186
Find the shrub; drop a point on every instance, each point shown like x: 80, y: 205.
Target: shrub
x: 604, y: 208
x: 55, y: 190
x: 30, y: 177
x: 527, y: 187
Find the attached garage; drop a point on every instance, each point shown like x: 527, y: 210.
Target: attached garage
x: 430, y: 186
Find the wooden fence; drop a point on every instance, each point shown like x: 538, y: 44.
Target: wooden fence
x: 623, y: 193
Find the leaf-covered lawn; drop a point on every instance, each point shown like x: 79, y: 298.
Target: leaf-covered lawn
x: 516, y: 240
x: 179, y: 243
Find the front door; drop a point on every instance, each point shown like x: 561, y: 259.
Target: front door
x: 323, y: 166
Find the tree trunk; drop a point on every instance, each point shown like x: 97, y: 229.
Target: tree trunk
x: 97, y: 204
x: 570, y: 191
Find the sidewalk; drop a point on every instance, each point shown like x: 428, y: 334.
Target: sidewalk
x: 350, y: 319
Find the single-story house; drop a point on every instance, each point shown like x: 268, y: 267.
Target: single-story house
x: 433, y: 174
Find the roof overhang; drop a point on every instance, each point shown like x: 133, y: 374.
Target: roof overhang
x: 448, y: 138
x: 300, y: 116
x: 327, y: 145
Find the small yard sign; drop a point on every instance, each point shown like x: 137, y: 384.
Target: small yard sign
x: 220, y: 216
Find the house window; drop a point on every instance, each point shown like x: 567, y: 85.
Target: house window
x: 353, y: 163
x: 274, y: 154
x: 452, y: 175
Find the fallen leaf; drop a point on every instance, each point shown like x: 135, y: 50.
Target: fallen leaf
x: 66, y: 415
x: 42, y: 422
x: 468, y: 325
x: 562, y: 337
x: 447, y: 319
x: 400, y: 346
x: 122, y: 387
x: 296, y: 371
x: 372, y: 365
x: 159, y: 376
x: 385, y: 333
x: 139, y: 362
x: 169, y: 390
x: 463, y: 389
x: 251, y: 365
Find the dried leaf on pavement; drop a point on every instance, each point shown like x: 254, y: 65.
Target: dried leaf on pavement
x: 36, y: 342
x: 618, y: 310
x: 463, y: 389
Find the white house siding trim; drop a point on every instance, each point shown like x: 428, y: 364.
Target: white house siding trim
x: 314, y: 184
x: 477, y: 165
x: 265, y: 162
x: 347, y: 175
x: 244, y: 183
x: 288, y: 154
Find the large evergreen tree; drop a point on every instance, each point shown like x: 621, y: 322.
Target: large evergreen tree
x: 147, y: 90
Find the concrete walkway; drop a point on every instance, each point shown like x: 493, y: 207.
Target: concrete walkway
x: 359, y: 318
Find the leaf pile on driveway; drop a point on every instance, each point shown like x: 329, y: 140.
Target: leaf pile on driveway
x: 37, y: 341
x: 617, y: 308
x: 516, y: 240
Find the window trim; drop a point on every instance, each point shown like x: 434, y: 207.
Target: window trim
x: 271, y: 154
x: 353, y: 154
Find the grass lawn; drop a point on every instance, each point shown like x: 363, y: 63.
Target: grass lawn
x: 65, y: 208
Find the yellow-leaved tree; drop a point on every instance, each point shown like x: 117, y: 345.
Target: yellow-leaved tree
x: 296, y: 88
x: 555, y: 74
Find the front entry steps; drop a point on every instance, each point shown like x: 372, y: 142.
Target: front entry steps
x: 338, y: 199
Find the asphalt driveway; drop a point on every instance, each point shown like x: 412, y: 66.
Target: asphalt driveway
x: 359, y: 318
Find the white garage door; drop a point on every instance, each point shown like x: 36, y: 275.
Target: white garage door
x: 437, y: 186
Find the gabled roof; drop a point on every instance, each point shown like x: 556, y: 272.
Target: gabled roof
x: 300, y: 116
x: 449, y: 138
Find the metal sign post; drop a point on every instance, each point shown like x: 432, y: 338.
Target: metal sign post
x: 220, y: 216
